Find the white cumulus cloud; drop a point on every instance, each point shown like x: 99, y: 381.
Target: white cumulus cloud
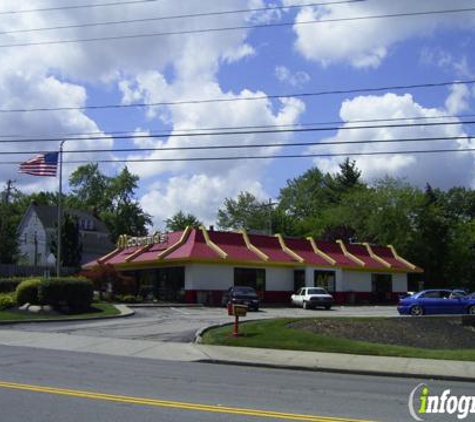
x: 365, y: 43
x: 442, y: 170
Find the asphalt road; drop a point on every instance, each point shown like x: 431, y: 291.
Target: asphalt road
x: 180, y: 324
x: 189, y: 392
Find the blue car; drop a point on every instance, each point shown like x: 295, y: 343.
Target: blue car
x: 437, y: 301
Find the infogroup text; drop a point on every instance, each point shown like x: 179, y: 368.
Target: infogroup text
x: 422, y: 403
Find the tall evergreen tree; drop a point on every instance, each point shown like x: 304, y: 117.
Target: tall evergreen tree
x: 180, y: 220
x: 71, y: 244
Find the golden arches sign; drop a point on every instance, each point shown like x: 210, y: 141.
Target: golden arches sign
x: 126, y: 241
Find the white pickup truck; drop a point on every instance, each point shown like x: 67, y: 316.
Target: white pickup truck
x: 312, y: 297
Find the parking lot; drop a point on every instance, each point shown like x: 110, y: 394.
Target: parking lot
x: 180, y: 324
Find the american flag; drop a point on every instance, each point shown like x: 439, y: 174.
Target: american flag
x: 41, y: 165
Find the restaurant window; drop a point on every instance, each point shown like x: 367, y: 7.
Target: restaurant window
x: 381, y: 283
x: 325, y: 279
x: 250, y: 277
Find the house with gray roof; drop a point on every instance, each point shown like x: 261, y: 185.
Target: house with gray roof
x: 37, y: 229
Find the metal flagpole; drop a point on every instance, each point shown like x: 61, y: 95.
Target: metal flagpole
x: 60, y: 216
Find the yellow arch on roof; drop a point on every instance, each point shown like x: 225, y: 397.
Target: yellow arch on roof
x: 402, y: 260
x: 376, y: 257
x: 319, y: 252
x: 349, y: 255
x: 213, y: 245
x: 176, y: 245
x: 287, y: 250
x: 253, y: 248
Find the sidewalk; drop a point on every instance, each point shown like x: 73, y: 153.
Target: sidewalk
x: 287, y: 359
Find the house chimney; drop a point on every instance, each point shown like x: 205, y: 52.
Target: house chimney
x: 211, y: 228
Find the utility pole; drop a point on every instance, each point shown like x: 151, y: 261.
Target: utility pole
x: 8, y: 191
x: 60, y: 212
x: 269, y: 206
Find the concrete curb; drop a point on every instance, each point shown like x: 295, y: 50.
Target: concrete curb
x: 163, y: 305
x: 339, y: 371
x: 124, y: 313
x: 199, y: 334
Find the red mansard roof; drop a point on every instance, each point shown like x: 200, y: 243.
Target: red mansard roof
x: 215, y: 246
x: 303, y: 248
x: 362, y: 253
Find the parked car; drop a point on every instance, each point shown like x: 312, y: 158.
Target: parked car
x: 437, y: 301
x: 241, y: 295
x: 312, y: 297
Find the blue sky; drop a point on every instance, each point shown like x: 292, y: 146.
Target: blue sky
x: 231, y: 65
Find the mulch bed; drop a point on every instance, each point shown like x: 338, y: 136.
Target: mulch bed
x: 428, y: 333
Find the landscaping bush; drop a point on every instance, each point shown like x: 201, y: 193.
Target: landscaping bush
x: 129, y: 299
x: 9, y: 285
x: 7, y: 301
x: 27, y: 292
x: 76, y: 293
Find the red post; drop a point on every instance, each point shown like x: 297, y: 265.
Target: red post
x: 236, y: 326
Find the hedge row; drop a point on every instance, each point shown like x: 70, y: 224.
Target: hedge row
x: 76, y: 293
x: 7, y: 301
x: 9, y: 285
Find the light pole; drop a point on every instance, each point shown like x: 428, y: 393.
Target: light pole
x: 60, y: 213
x: 270, y: 204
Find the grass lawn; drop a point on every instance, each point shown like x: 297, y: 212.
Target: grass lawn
x: 97, y: 310
x: 274, y: 334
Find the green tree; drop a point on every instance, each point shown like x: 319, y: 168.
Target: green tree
x: 71, y: 245
x: 125, y: 216
x: 433, y: 238
x: 111, y: 199
x: 90, y: 189
x: 245, y: 212
x: 304, y: 196
x: 180, y: 221
x: 8, y: 234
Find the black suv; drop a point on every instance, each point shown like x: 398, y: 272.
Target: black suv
x: 241, y: 295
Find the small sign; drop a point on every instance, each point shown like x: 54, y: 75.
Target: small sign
x: 239, y: 310
x: 126, y: 241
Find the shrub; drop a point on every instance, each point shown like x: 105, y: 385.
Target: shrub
x: 106, y: 278
x: 27, y: 292
x: 129, y: 299
x: 7, y: 301
x: 9, y: 285
x: 76, y: 293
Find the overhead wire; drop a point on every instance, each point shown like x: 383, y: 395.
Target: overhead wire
x: 235, y: 28
x: 240, y: 132
x: 260, y: 157
x: 183, y: 132
x: 250, y: 98
x: 79, y: 6
x: 183, y: 16
x: 251, y: 146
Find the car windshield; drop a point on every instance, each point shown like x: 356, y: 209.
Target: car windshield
x: 317, y: 291
x: 245, y: 290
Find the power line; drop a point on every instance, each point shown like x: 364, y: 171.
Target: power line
x: 184, y: 132
x: 240, y: 132
x: 250, y: 146
x: 235, y: 28
x: 79, y: 6
x: 261, y: 157
x: 183, y: 16
x: 254, y: 98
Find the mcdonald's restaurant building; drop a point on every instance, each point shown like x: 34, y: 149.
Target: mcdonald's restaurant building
x: 198, y: 265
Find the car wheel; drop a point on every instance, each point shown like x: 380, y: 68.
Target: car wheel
x: 471, y: 310
x: 417, y: 310
x: 305, y: 305
x: 328, y: 307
